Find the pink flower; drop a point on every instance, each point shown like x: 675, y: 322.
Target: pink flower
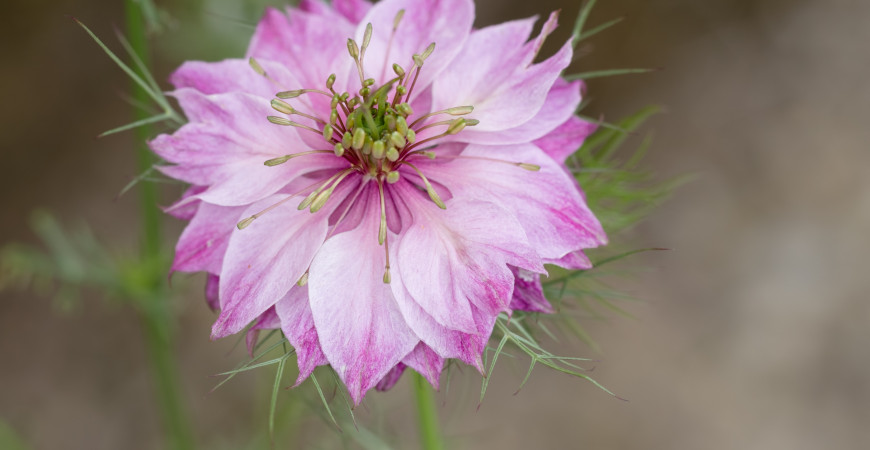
x: 408, y: 186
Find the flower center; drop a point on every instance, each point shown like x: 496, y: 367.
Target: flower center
x: 372, y: 130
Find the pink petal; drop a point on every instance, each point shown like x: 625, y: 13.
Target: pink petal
x: 298, y: 325
x: 492, y: 75
x: 447, y: 343
x: 184, y: 208
x: 450, y: 259
x: 362, y: 332
x: 559, y: 107
x: 267, y: 321
x: 203, y: 242
x: 232, y: 75
x: 528, y: 293
x: 422, y: 359
x: 391, y: 378
x: 312, y: 44
x: 264, y: 260
x: 445, y: 22
x: 225, y: 145
x: 547, y: 202
x: 426, y: 362
x: 212, y: 286
x: 566, y: 139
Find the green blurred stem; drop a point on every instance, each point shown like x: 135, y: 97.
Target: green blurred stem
x: 154, y: 312
x: 427, y: 415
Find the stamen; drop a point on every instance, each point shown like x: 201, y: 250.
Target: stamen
x: 367, y: 38
x: 244, y: 223
x: 429, y: 190
x: 282, y: 159
x: 382, y: 229
x: 297, y: 92
x: 396, y: 20
x: 323, y: 197
x: 522, y: 165
x: 289, y: 123
x: 303, y: 280
x: 282, y: 107
x: 257, y: 67
x: 454, y: 111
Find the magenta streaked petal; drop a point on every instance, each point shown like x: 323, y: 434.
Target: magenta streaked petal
x: 232, y: 75
x: 212, y: 290
x: 447, y: 343
x: 353, y: 10
x: 361, y: 330
x: 574, y: 261
x: 445, y: 22
x: 312, y: 44
x: 506, y: 92
x: 267, y: 321
x: 546, y: 202
x: 566, y: 138
x: 559, y: 107
x: 391, y: 378
x: 426, y: 362
x: 450, y: 259
x: 225, y: 145
x: 203, y: 242
x: 280, y: 259
x: 186, y: 206
x: 298, y: 326
x: 528, y: 293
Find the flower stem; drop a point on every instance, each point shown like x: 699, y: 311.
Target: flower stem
x: 153, y: 308
x: 427, y: 415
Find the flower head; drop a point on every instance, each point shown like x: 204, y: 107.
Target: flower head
x: 379, y: 182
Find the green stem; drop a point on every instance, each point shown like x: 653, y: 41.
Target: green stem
x: 154, y: 309
x: 427, y: 414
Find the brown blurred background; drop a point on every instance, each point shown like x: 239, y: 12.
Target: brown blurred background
x: 752, y: 334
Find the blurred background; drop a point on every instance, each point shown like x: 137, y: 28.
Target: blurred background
x: 752, y: 333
